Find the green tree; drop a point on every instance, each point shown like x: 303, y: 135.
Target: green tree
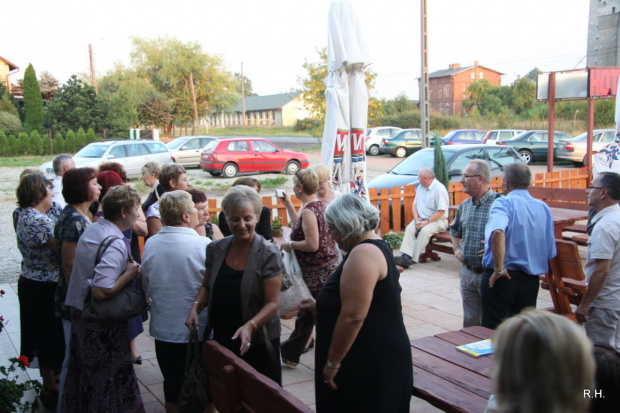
x: 4, y: 144
x: 75, y: 105
x: 533, y: 74
x: 90, y: 136
x: 81, y: 139
x: 59, y: 143
x: 122, y: 112
x: 401, y: 103
x: 441, y: 167
x: 313, y: 89
x: 33, y: 102
x: 155, y: 110
x: 49, y: 84
x: 13, y: 146
x: 524, y: 94
x: 36, y: 144
x: 9, y: 123
x: 247, y: 85
x: 173, y: 67
x: 23, y: 144
x: 71, y: 143
x: 7, y: 102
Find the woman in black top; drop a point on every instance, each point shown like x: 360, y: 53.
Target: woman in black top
x: 264, y: 222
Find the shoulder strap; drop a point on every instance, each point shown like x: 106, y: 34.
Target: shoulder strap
x: 104, y: 246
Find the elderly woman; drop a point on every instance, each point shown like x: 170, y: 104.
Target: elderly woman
x: 543, y: 363
x: 316, y: 252
x: 176, y: 249
x: 363, y: 356
x: 172, y: 177
x: 242, y: 287
x: 41, y: 332
x: 325, y: 193
x: 150, y: 177
x: 264, y: 222
x: 101, y: 374
x: 205, y: 227
x: 79, y: 190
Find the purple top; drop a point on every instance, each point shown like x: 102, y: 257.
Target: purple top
x: 113, y: 262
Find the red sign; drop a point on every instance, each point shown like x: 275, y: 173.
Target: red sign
x: 603, y: 81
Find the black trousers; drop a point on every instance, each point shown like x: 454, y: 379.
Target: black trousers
x: 291, y: 349
x: 507, y: 297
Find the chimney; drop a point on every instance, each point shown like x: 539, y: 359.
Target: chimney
x: 455, y: 65
x: 476, y: 63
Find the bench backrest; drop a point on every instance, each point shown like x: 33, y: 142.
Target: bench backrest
x: 570, y: 198
x: 248, y: 391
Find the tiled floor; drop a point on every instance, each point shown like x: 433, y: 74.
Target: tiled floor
x: 431, y: 304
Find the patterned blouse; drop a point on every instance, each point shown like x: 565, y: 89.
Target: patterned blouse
x: 316, y: 267
x: 34, y: 229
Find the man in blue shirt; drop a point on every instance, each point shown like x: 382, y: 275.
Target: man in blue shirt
x: 520, y: 239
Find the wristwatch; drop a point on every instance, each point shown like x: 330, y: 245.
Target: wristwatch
x: 500, y: 272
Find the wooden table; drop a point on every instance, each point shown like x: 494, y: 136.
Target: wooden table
x: 450, y: 379
x: 563, y: 217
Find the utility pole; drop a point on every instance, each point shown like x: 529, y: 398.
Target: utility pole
x: 195, y: 122
x: 243, y: 95
x: 424, y: 108
x: 93, y: 78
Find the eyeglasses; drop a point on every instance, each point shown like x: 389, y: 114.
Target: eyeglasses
x: 470, y: 176
x: 596, y: 187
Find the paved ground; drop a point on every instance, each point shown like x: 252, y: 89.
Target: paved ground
x: 431, y: 304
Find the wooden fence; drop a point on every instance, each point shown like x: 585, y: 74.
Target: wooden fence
x: 391, y: 219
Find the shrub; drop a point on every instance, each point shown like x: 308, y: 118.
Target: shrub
x: 307, y: 124
x: 58, y: 143
x: 71, y: 143
x: 90, y: 136
x: 81, y: 138
x: 4, y: 144
x: 23, y: 144
x: 35, y: 146
x: 9, y: 123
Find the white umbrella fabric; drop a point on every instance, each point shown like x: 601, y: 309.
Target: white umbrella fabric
x: 346, y: 115
x: 606, y: 160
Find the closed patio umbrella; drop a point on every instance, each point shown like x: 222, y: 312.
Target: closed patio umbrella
x: 346, y: 115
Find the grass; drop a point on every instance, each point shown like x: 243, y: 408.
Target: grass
x: 272, y: 183
x: 24, y: 161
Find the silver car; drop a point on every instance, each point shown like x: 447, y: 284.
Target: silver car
x: 375, y: 136
x: 131, y: 154
x: 575, y: 149
x: 186, y: 150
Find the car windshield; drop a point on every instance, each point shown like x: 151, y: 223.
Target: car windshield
x: 92, y: 151
x: 450, y: 134
x: 211, y: 145
x: 421, y: 159
x: 176, y: 143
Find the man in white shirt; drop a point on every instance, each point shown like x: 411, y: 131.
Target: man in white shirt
x: 62, y: 163
x: 600, y: 306
x: 430, y: 216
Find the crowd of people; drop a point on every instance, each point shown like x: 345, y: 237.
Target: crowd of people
x: 79, y: 239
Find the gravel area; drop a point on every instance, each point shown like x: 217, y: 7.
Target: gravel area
x: 10, y: 258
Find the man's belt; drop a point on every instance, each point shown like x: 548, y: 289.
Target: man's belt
x: 478, y: 269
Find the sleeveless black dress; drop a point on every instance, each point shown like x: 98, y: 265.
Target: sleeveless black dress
x: 376, y: 374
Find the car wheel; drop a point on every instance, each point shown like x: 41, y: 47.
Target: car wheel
x: 374, y: 150
x: 215, y: 173
x: 526, y: 156
x: 401, y: 152
x: 291, y: 167
x: 230, y: 170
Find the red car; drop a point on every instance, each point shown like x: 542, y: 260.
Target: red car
x: 228, y: 157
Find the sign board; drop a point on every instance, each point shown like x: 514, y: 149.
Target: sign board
x: 580, y: 84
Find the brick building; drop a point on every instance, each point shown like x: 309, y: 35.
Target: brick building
x: 447, y: 87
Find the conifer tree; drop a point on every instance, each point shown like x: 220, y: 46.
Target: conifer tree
x: 33, y: 102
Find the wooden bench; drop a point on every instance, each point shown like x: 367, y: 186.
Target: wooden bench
x: 437, y: 243
x: 236, y: 387
x: 569, y: 198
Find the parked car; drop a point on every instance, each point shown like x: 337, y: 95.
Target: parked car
x: 404, y: 143
x: 575, y: 149
x: 533, y: 145
x: 228, y: 157
x: 374, y: 137
x: 496, y: 135
x: 464, y: 136
x: 457, y: 157
x: 132, y: 154
x: 186, y: 150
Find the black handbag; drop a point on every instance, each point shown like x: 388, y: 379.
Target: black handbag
x: 194, y: 394
x: 128, y: 303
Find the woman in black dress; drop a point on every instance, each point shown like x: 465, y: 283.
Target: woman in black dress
x: 363, y: 356
x: 242, y: 287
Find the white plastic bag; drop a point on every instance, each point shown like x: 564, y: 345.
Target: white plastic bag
x: 289, y: 299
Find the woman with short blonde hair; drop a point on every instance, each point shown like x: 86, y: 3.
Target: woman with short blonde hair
x: 325, y: 192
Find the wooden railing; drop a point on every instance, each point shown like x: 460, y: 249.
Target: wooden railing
x: 391, y: 219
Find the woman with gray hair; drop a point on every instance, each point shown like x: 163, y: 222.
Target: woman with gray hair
x: 363, y: 356
x: 176, y: 249
x: 242, y: 285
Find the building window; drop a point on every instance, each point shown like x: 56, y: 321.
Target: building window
x: 473, y: 75
x: 481, y: 75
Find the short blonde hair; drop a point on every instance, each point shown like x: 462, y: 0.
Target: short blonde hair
x: 322, y: 172
x: 241, y: 196
x: 543, y: 363
x: 172, y: 206
x: 119, y: 198
x: 308, y: 180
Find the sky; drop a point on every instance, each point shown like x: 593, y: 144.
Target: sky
x: 273, y: 38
